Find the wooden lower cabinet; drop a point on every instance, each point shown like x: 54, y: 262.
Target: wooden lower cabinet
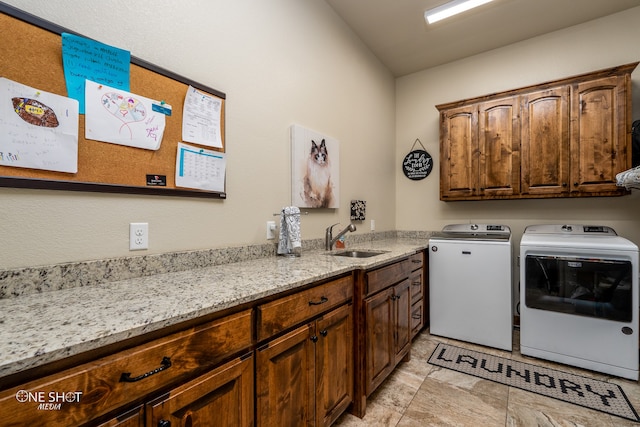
x: 402, y: 320
x: 305, y: 377
x: 284, y: 380
x: 388, y: 332
x: 334, y: 365
x: 126, y: 378
x: 222, y: 397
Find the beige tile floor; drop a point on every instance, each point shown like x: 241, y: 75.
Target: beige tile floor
x: 419, y: 394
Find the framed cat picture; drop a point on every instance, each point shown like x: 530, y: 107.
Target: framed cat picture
x: 315, y: 169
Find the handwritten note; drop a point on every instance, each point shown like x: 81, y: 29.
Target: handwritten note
x: 86, y: 59
x: 200, y: 168
x: 38, y: 130
x: 201, y: 118
x: 122, y: 118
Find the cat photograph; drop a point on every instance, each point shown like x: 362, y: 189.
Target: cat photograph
x: 317, y: 179
x: 315, y: 169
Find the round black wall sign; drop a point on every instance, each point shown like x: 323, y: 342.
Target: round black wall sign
x: 417, y: 165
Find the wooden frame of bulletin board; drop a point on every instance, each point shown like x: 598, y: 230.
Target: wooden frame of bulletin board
x: 32, y: 55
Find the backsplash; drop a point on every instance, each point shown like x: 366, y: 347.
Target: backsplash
x: 30, y: 280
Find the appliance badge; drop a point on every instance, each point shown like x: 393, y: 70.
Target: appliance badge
x: 574, y: 264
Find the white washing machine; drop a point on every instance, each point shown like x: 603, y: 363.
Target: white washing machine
x: 470, y: 284
x: 579, y: 298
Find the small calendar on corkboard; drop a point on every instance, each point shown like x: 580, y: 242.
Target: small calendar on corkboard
x: 31, y: 52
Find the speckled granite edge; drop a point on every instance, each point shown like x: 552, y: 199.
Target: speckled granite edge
x: 33, y: 280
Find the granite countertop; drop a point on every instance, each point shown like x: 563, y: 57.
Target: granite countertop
x: 42, y: 328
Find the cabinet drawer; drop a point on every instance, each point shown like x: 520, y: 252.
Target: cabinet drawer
x: 416, y: 261
x: 286, y: 312
x: 415, y: 280
x: 382, y: 278
x: 95, y: 388
x: 417, y: 318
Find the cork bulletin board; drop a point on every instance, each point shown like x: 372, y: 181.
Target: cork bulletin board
x: 31, y: 55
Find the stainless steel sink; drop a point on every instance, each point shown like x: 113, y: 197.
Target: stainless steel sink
x: 358, y: 253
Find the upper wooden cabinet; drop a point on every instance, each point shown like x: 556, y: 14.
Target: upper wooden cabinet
x: 545, y: 142
x: 458, y: 148
x: 566, y: 138
x: 601, y: 125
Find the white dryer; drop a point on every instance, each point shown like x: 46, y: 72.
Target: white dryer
x: 470, y: 284
x: 579, y: 298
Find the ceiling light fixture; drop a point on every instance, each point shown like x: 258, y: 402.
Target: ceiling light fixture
x: 452, y: 8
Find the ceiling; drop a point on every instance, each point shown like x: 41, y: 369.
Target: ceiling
x: 397, y: 34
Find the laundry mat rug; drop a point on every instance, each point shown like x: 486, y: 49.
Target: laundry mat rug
x: 576, y: 389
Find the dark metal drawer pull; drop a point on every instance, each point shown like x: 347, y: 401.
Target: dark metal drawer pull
x: 322, y: 301
x: 126, y: 376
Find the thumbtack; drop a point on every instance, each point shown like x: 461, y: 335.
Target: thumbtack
x: 38, y: 93
x: 161, y: 102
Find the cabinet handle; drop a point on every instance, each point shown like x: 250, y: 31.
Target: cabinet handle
x: 417, y: 283
x: 394, y: 297
x: 126, y: 376
x: 322, y: 301
x: 416, y: 316
x: 164, y: 423
x: 324, y: 332
x: 314, y: 338
x: 564, y: 184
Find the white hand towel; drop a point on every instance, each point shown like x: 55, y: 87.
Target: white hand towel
x: 289, y: 241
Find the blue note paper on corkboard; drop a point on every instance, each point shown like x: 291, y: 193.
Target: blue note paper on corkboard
x: 86, y: 59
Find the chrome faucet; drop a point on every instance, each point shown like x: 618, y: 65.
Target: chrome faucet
x: 329, y: 240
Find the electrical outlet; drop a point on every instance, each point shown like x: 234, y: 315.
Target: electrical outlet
x: 138, y: 236
x: 271, y: 230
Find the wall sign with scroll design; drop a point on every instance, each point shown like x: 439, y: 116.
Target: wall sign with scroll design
x: 417, y: 164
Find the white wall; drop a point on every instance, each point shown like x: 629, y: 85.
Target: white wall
x: 279, y: 62
x: 603, y: 43
x: 283, y: 62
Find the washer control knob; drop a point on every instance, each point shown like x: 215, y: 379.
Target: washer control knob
x: 434, y: 249
x: 474, y: 227
x: 627, y: 330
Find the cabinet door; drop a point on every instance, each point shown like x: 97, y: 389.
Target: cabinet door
x: 599, y: 135
x: 379, y: 321
x: 334, y: 364
x: 222, y: 397
x: 285, y: 380
x: 545, y: 142
x: 402, y: 319
x: 499, y: 148
x: 459, y: 152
